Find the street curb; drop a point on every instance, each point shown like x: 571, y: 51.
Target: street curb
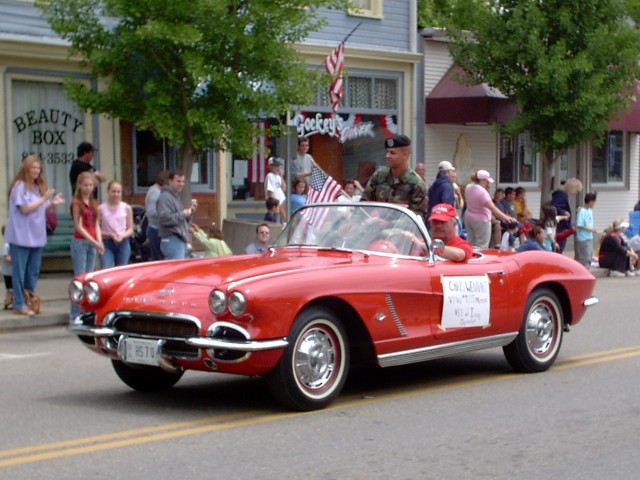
x: 54, y: 312
x: 34, y: 321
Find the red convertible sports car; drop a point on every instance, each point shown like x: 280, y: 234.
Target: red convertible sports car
x: 343, y: 283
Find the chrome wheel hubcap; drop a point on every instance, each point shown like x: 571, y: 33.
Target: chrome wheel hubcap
x: 315, y: 358
x: 541, y: 329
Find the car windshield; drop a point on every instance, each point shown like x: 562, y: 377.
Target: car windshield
x: 376, y: 227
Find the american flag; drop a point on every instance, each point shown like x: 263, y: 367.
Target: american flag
x: 258, y: 161
x: 335, y: 93
x: 333, y: 64
x: 322, y: 188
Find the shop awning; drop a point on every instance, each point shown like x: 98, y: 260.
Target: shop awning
x: 456, y: 103
x: 629, y: 120
x: 453, y: 102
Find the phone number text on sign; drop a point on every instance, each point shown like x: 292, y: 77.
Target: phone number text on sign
x: 53, y: 157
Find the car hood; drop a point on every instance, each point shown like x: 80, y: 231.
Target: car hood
x: 237, y: 269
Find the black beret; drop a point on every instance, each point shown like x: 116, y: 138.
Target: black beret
x: 397, y: 141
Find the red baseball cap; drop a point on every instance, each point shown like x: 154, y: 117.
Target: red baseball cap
x: 443, y: 212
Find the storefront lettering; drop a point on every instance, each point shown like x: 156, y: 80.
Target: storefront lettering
x: 307, y: 126
x: 334, y: 126
x: 44, y: 118
x: 362, y: 129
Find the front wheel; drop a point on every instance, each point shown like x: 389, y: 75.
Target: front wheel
x: 314, y: 366
x: 538, y: 342
x: 145, y: 378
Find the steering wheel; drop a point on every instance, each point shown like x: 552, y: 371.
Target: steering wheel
x: 383, y: 246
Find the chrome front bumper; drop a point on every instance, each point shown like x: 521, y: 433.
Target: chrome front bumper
x: 83, y: 325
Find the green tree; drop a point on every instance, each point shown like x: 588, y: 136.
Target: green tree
x: 441, y: 13
x: 193, y: 72
x: 569, y: 65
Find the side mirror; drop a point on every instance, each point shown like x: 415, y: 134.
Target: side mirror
x: 437, y: 247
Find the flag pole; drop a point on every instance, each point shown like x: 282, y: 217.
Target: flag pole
x: 345, y: 39
x: 351, y: 32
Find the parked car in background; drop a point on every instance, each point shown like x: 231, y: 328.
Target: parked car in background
x: 343, y: 284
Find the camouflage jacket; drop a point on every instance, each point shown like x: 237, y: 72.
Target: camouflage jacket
x: 408, y: 190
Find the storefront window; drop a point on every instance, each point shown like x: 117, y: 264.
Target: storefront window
x: 608, y: 160
x: 366, y: 8
x: 152, y: 155
x: 518, y: 160
x: 47, y: 123
x: 346, y: 145
x: 359, y: 92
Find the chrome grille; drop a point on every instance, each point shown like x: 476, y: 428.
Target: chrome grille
x: 157, y: 327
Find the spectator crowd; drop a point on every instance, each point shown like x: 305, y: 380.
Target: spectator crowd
x: 459, y: 216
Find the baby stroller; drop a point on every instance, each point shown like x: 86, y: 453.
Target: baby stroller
x: 140, y: 251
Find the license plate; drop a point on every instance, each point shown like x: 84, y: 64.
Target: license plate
x: 141, y: 351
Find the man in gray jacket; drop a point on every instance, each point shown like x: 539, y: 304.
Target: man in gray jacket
x: 173, y: 218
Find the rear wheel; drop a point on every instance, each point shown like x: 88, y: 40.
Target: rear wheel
x: 314, y: 366
x: 538, y: 342
x: 144, y: 378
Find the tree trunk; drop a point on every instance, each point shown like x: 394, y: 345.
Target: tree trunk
x: 185, y: 163
x: 548, y: 181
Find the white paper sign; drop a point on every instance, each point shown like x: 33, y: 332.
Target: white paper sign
x: 466, y: 301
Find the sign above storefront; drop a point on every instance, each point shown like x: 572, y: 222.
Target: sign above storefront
x: 342, y: 127
x: 45, y: 122
x: 46, y: 126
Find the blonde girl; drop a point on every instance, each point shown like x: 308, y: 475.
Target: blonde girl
x: 116, y: 222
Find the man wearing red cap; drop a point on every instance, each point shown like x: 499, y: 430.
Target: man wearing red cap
x: 443, y: 227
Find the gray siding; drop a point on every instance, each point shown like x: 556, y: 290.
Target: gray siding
x: 391, y: 32
x: 23, y: 19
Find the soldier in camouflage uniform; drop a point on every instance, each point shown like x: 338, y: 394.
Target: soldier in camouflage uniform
x: 397, y: 183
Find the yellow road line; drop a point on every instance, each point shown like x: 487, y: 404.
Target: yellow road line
x: 126, y: 433
x: 141, y: 436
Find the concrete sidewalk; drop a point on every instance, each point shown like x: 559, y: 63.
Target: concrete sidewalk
x: 52, y: 289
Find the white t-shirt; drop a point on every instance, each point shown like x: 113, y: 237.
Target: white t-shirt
x: 343, y: 198
x: 504, y: 244
x: 301, y: 164
x: 273, y: 184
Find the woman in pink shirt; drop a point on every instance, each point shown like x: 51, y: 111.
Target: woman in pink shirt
x: 116, y: 219
x: 480, y: 206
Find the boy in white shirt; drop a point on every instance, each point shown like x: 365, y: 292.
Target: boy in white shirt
x: 275, y: 186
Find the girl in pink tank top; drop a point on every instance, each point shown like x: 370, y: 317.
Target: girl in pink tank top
x: 116, y: 218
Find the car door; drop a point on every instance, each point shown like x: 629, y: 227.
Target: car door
x: 471, y: 299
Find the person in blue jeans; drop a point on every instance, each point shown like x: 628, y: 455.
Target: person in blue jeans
x: 150, y: 205
x: 116, y: 225
x: 174, y: 218
x: 25, y: 231
x: 87, y: 236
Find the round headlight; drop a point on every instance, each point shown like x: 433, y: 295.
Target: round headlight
x: 237, y: 303
x: 92, y: 292
x: 217, y: 302
x: 76, y: 293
